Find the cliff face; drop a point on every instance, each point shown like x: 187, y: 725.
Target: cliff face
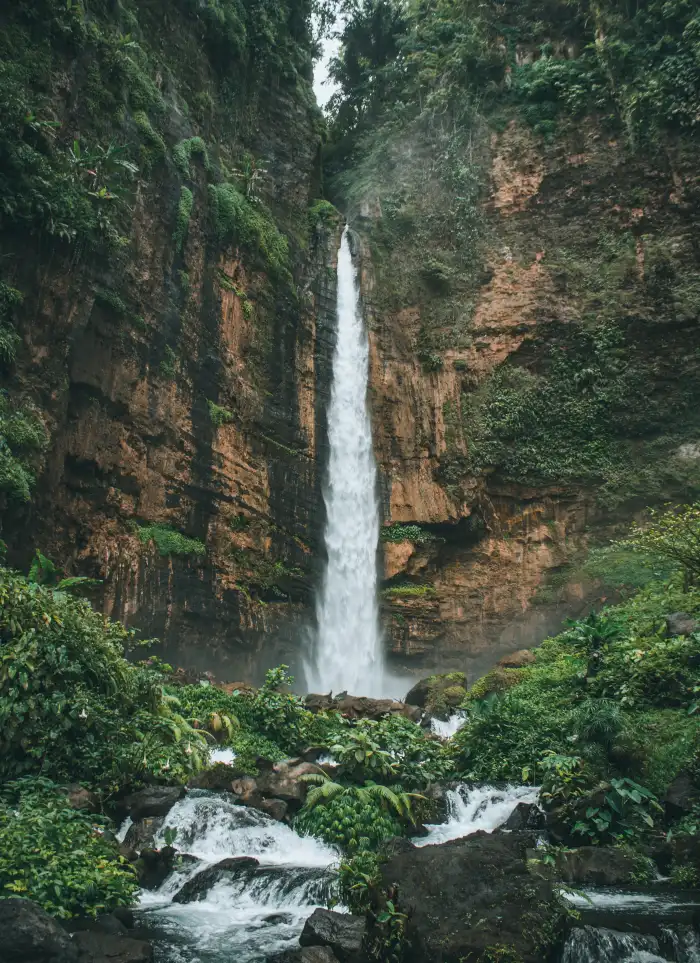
x: 172, y: 340
x: 586, y: 293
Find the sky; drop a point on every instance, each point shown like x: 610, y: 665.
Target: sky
x: 324, y: 88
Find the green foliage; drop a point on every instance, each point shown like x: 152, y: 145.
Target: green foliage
x: 168, y: 541
x: 323, y: 212
x: 10, y: 298
x: 360, y: 752
x: 236, y: 220
x: 346, y: 815
x: 358, y: 876
x: 626, y: 813
x: 67, y: 693
x: 107, y: 298
x: 186, y: 150
x: 153, y: 147
x: 22, y: 439
x: 408, y: 590
x: 184, y: 212
x: 673, y: 536
x: 57, y: 856
x: 405, y: 533
x: 219, y: 416
x: 168, y: 364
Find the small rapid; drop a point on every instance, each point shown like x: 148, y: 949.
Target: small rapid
x: 594, y: 944
x: 246, y: 914
x: 477, y: 808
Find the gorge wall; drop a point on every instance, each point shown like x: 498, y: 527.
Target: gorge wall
x: 529, y: 251
x: 168, y: 306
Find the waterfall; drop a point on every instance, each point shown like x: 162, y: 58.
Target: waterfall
x: 479, y: 808
x: 348, y: 647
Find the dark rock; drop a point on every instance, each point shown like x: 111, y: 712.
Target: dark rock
x: 125, y: 916
x: 360, y: 707
x: 467, y: 896
x: 305, y: 954
x: 141, y: 834
x: 525, y: 816
x: 342, y: 933
x: 276, y: 918
x: 439, y: 694
x: 218, y: 778
x: 107, y: 923
x: 680, y: 623
x: 319, y: 703
x: 517, y: 660
x: 418, y: 695
x: 197, y: 888
x: 275, y: 808
x: 29, y: 935
x: 681, y: 795
x: 154, y: 866
x: 395, y: 846
x: 595, y: 866
x: 153, y: 801
x: 106, y: 948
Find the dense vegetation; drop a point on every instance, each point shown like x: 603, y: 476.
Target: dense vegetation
x: 604, y: 719
x: 423, y: 89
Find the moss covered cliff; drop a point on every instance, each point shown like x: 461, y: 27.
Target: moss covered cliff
x: 165, y: 275
x: 525, y: 178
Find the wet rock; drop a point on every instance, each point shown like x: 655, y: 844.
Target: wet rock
x: 275, y: 808
x: 517, y: 660
x: 218, y: 778
x: 418, y: 695
x: 305, y: 954
x: 340, y: 932
x: 29, y: 935
x: 107, y: 923
x: 197, y: 888
x: 525, y: 816
x: 594, y: 866
x: 141, y: 835
x: 467, y: 896
x: 681, y: 795
x: 106, y: 948
x: 154, y: 866
x: 680, y: 623
x: 153, y: 801
x: 396, y: 845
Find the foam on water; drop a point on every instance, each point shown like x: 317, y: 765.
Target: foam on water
x: 446, y: 729
x: 480, y: 808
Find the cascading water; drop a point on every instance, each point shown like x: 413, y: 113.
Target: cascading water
x: 348, y: 650
x: 247, y: 914
x: 480, y: 808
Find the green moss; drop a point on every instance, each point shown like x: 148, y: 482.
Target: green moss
x: 153, y: 146
x: 168, y: 541
x: 237, y: 220
x: 168, y: 364
x: 186, y: 150
x: 184, y: 212
x: 325, y: 213
x: 405, y: 533
x: 109, y: 299
x: 408, y: 591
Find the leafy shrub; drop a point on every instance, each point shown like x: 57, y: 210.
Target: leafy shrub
x: 70, y: 703
x: 22, y: 438
x: 325, y: 213
x: 346, y: 815
x: 405, y: 533
x: 168, y: 541
x: 357, y: 877
x: 57, y: 856
x: 672, y: 535
x: 219, y: 416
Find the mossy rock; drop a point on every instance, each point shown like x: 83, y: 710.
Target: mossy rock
x: 454, y: 695
x: 498, y: 680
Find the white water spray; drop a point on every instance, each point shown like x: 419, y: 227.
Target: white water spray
x: 348, y: 652
x: 479, y: 808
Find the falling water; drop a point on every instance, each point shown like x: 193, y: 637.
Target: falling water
x: 479, y: 808
x: 348, y: 650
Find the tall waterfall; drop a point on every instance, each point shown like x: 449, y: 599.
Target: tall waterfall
x: 348, y: 651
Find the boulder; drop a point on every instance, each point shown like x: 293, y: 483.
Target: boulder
x: 141, y: 834
x: 517, y: 660
x: 95, y: 947
x: 361, y: 707
x: 283, y: 782
x: 680, y: 623
x: 154, y: 866
x: 305, y: 954
x: 525, y: 816
x: 30, y: 935
x: 197, y: 888
x: 595, y: 866
x: 681, y: 796
x: 83, y: 799
x: 439, y: 694
x: 218, y: 778
x: 340, y: 932
x: 153, y: 801
x: 275, y: 808
x: 473, y: 899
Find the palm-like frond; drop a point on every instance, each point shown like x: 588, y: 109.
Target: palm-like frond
x: 325, y: 793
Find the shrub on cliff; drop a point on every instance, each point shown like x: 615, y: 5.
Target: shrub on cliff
x: 71, y: 705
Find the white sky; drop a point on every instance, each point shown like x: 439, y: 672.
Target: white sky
x: 324, y: 88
